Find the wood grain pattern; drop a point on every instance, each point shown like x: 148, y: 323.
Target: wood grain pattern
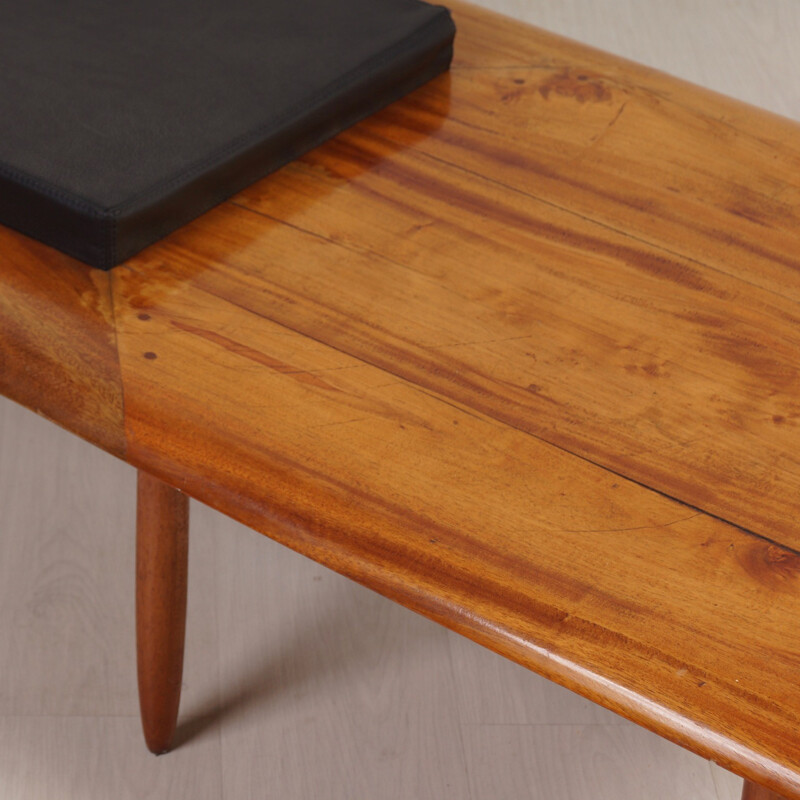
x: 96, y: 757
x: 351, y: 465
x: 57, y: 341
x: 350, y: 695
x: 520, y: 353
x: 162, y: 552
x: 66, y: 616
x: 753, y: 792
x: 575, y: 762
x: 569, y: 340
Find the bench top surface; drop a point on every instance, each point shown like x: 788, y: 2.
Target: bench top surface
x: 520, y: 352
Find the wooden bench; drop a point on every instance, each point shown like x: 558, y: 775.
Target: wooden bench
x: 519, y: 352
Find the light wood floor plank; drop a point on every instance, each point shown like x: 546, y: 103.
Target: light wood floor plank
x: 82, y: 758
x: 333, y: 676
x: 323, y: 690
x: 507, y: 695
x: 67, y: 579
x: 327, y: 690
x: 728, y: 785
x: 572, y: 762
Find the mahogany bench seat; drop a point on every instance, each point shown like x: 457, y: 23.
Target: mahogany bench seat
x: 519, y: 352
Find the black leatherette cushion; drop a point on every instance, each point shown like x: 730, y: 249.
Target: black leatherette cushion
x: 119, y: 122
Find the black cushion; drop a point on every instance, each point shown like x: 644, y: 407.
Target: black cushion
x: 121, y: 121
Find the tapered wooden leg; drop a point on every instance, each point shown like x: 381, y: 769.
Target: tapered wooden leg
x: 752, y: 791
x: 162, y: 549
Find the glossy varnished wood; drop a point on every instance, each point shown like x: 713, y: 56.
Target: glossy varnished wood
x: 58, y: 351
x: 612, y: 227
x: 753, y: 792
x: 162, y: 551
x: 520, y: 353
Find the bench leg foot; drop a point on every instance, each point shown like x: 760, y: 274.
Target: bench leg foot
x: 162, y: 549
x: 752, y: 791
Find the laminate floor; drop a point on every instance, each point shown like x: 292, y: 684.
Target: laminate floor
x: 298, y: 683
